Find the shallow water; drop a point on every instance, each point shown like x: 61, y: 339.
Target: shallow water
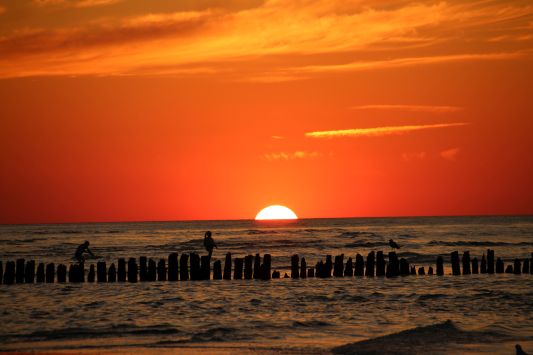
x: 283, y: 315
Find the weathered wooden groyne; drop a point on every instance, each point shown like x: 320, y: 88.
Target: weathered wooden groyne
x: 194, y: 267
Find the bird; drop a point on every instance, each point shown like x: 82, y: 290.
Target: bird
x: 393, y: 244
x: 519, y: 350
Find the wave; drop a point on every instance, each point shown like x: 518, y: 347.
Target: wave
x: 431, y: 339
x: 217, y: 334
x: 478, y: 244
x: 104, y: 332
x: 310, y: 324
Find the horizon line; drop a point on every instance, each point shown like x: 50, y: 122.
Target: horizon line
x: 266, y: 221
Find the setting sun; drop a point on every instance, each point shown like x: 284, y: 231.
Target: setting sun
x: 276, y: 212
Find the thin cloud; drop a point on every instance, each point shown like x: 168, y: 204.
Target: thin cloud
x: 406, y: 62
x: 450, y: 154
x: 411, y: 108
x: 407, y: 157
x: 291, y: 156
x: 75, y: 4
x: 380, y: 131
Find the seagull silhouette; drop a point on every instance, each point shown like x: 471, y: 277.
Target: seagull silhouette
x: 393, y: 244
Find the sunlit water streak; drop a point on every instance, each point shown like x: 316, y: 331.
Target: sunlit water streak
x: 303, y: 315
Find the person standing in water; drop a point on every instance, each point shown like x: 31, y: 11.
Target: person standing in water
x: 82, y: 248
x: 209, y: 243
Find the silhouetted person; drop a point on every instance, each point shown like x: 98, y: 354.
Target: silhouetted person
x: 519, y: 350
x: 393, y: 244
x: 81, y: 250
x: 209, y: 243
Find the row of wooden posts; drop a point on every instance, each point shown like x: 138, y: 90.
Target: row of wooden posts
x: 195, y: 267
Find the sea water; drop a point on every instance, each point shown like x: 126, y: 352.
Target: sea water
x: 285, y: 315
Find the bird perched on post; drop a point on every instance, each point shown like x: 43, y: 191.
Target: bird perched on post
x: 393, y: 244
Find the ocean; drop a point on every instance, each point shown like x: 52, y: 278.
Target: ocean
x: 413, y: 314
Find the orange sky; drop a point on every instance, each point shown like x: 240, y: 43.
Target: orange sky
x: 112, y: 110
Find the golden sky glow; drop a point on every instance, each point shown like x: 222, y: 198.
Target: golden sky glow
x: 128, y: 110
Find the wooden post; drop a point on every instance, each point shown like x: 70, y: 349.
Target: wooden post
x: 267, y: 266
x: 499, y: 266
x: 257, y: 266
x: 90, y: 275
x: 71, y: 273
x: 80, y: 272
x: 275, y: 274
x: 456, y: 268
x: 348, y: 269
x: 121, y: 274
x: 338, y: 266
x: 370, y: 262
x: 50, y: 273
x: 237, y: 270
x: 40, y: 272
x: 152, y: 270
x: 430, y: 271
x: 311, y: 272
x: 184, y: 268
x: 9, y: 274
x: 248, y: 261
x: 475, y: 266
x: 328, y: 266
x: 195, y: 267
x: 516, y: 267
x: 295, y: 270
x: 490, y: 261
x: 509, y: 269
x: 483, y: 264
x: 205, y: 267
x: 101, y: 271
x: 143, y: 269
x: 29, y: 272
x: 19, y: 275
x: 132, y: 270
x: 380, y: 264
x: 217, y: 270
x: 172, y: 266
x: 393, y: 267
x: 525, y: 266
x: 162, y: 270
x: 440, y: 266
x: 303, y: 269
x: 320, y: 269
x: 112, y: 273
x: 359, y: 265
x: 421, y: 271
x: 61, y: 273
x: 227, y: 267
x: 466, y: 263
x: 404, y: 268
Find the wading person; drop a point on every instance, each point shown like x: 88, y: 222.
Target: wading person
x: 209, y: 243
x: 83, y: 248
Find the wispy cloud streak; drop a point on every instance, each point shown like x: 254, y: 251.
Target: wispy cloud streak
x: 411, y: 108
x: 291, y: 156
x: 406, y: 62
x: 380, y: 131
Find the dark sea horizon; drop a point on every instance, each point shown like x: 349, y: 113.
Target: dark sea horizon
x: 471, y: 313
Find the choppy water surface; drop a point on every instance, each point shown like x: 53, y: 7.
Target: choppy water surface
x: 489, y: 313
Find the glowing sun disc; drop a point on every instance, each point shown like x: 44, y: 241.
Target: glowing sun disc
x: 276, y: 212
